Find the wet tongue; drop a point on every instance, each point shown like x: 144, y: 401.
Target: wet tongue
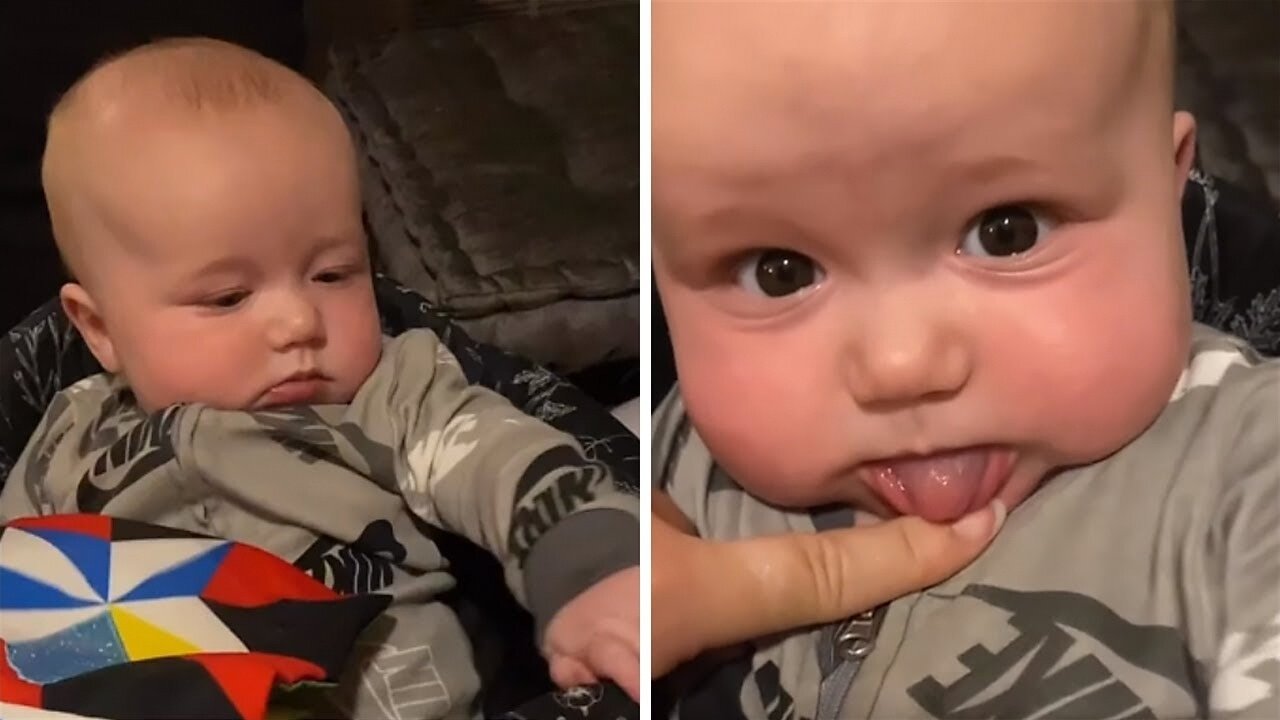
x: 938, y: 488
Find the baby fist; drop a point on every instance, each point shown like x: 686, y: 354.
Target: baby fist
x: 597, y: 635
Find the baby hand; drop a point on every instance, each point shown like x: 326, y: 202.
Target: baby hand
x: 597, y: 635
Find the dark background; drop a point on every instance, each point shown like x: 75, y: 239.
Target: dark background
x: 1228, y: 74
x: 44, y: 47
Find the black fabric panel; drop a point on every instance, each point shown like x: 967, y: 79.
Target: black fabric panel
x: 173, y: 688
x: 318, y: 632
x: 122, y: 529
x: 610, y: 383
x: 598, y: 702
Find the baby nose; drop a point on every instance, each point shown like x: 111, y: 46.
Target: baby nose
x: 296, y: 321
x: 896, y: 362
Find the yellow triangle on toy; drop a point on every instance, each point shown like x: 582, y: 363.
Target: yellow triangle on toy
x: 143, y: 641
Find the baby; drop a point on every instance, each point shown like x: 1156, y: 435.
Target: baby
x: 205, y: 200
x: 925, y: 258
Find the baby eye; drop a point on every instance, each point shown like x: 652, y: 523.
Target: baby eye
x: 1004, y: 231
x: 226, y: 301
x: 778, y: 273
x: 333, y: 276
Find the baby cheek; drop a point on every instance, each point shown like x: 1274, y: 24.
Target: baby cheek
x: 1117, y: 372
x: 1148, y: 356
x: 215, y: 378
x: 761, y: 413
x: 174, y: 359
x: 357, y: 334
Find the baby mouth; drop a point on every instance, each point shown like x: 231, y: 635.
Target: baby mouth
x: 942, y: 486
x: 299, y: 389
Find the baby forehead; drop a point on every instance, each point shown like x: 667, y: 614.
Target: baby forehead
x: 852, y: 77
x: 848, y: 26
x: 853, y: 45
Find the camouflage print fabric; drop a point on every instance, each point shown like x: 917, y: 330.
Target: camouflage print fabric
x: 355, y: 495
x: 1144, y: 585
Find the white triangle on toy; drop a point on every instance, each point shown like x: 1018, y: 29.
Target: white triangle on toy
x: 135, y: 561
x: 33, y: 556
x: 23, y: 625
x: 188, y: 619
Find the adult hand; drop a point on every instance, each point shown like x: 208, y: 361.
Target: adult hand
x: 708, y: 595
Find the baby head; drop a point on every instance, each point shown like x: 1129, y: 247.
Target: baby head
x: 205, y: 200
x: 916, y: 256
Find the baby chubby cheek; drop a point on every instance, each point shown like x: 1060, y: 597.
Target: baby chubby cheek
x: 766, y: 423
x: 1108, y: 372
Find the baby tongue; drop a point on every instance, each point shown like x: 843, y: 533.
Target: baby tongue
x: 939, y: 488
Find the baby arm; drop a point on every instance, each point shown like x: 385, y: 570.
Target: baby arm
x: 567, y: 536
x: 29, y: 489
x: 46, y: 479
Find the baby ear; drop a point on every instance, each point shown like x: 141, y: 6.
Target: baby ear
x: 1184, y: 147
x: 82, y: 310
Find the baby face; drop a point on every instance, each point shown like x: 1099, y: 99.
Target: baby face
x: 227, y: 259
x: 916, y: 256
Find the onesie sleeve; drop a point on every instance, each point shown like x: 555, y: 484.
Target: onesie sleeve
x: 682, y: 466
x: 471, y: 462
x: 1244, y: 550
x: 45, y: 478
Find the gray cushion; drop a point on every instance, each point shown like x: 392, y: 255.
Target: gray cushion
x: 500, y: 163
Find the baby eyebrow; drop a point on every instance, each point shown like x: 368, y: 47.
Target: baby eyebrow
x: 993, y: 167
x: 220, y: 266
x: 342, y: 249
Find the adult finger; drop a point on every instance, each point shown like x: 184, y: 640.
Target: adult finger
x: 798, y: 580
x: 708, y: 595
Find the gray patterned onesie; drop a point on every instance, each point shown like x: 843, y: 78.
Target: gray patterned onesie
x: 353, y: 494
x: 1144, y: 585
